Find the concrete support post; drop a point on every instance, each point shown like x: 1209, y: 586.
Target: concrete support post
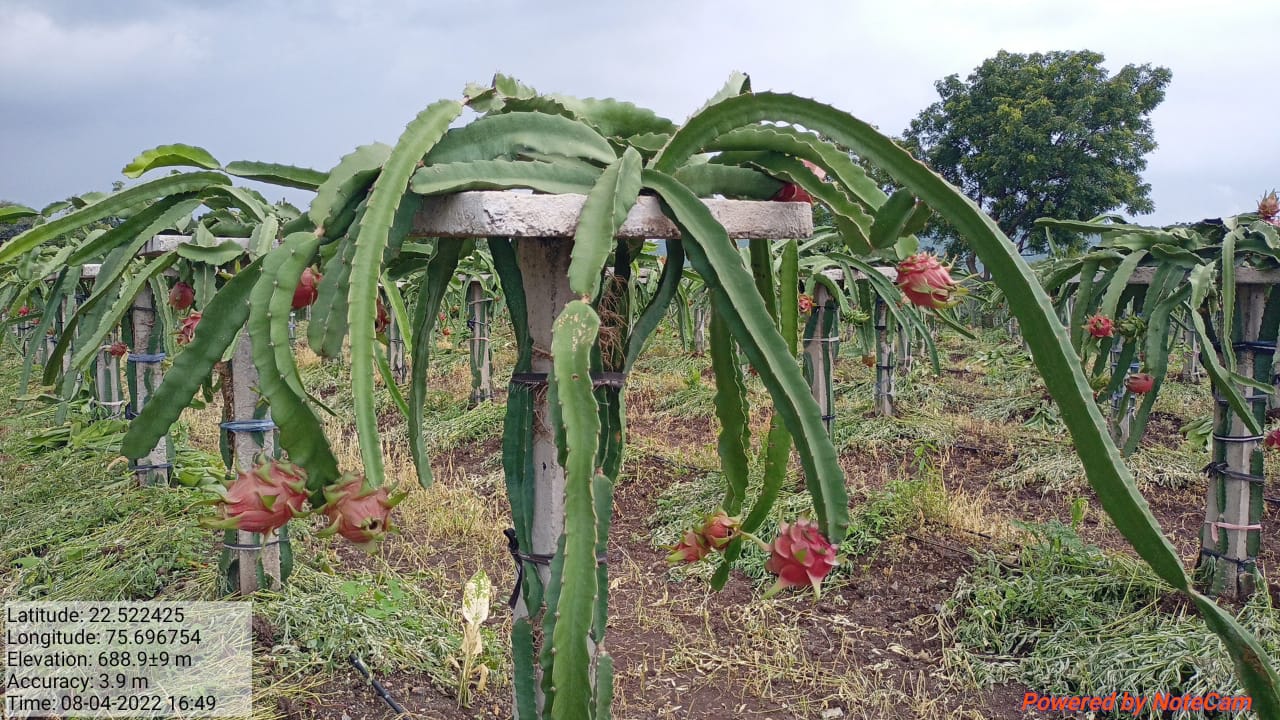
x: 146, y: 371
x: 544, y: 267
x: 396, y: 358
x: 1232, y: 531
x: 251, y: 561
x: 821, y: 346
x: 884, y: 362
x: 479, y: 309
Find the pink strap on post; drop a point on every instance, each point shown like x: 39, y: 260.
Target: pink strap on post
x: 1213, y: 528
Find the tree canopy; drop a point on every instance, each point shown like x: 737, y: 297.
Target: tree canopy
x: 1046, y: 134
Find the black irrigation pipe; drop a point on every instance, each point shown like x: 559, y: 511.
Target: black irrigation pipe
x: 377, y: 686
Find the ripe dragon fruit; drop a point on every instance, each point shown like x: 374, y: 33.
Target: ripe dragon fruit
x: 869, y: 360
x: 806, y: 303
x: 791, y: 192
x: 307, y: 291
x: 359, y: 513
x: 927, y: 282
x: 24, y: 311
x: 1100, y: 326
x: 117, y: 350
x: 800, y: 555
x: 383, y: 321
x: 263, y: 498
x: 1139, y: 383
x: 181, y: 296
x: 1272, y: 440
x: 187, y: 330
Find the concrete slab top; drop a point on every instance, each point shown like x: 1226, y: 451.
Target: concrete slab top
x: 484, y: 213
x: 161, y: 244
x: 1244, y: 276
x: 838, y: 275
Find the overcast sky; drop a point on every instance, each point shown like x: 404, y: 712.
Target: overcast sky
x: 88, y: 84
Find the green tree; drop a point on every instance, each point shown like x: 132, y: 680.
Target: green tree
x: 1041, y: 135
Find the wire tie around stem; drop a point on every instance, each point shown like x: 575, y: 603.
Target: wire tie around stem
x: 254, y: 425
x: 144, y: 359
x: 1221, y: 469
x: 1236, y: 438
x: 520, y: 558
x: 247, y: 547
x: 1249, y: 564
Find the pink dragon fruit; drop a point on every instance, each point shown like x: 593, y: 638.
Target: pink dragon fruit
x: 357, y: 512
x: 263, y: 498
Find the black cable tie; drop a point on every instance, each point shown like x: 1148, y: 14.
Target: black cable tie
x: 598, y: 379
x: 139, y: 308
x: 520, y: 558
x: 1259, y: 347
x: 157, y: 466
x: 885, y: 367
x: 129, y: 413
x: 241, y: 547
x: 828, y: 418
x: 1236, y: 438
x: 1249, y: 564
x: 1220, y: 469
x: 255, y: 425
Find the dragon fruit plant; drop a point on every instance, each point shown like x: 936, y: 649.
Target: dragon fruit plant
x: 741, y: 144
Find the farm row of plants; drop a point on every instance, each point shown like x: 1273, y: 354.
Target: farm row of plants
x: 197, y: 285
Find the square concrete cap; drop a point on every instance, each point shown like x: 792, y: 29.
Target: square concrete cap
x: 511, y: 214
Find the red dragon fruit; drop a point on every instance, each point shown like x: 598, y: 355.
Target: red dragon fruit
x: 691, y: 548
x: 117, y: 350
x: 306, y: 292
x: 181, y: 296
x: 357, y: 512
x: 791, y: 192
x: 1100, y: 326
x: 24, y: 311
x: 800, y: 555
x: 383, y: 321
x: 1139, y: 383
x: 187, y: 330
x: 720, y: 529
x: 1272, y: 440
x: 927, y: 282
x: 262, y: 499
